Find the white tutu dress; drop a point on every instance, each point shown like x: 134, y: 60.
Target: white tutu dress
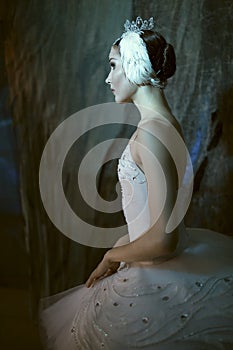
x: 183, y: 303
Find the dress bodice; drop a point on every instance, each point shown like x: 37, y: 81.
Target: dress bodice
x: 134, y: 195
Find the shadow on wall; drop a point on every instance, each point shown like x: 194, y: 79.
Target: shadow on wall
x: 13, y: 256
x: 211, y: 205
x: 16, y: 319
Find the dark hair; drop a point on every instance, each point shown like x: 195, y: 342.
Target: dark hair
x: 162, y: 55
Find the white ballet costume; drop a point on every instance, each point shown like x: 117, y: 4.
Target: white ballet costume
x: 183, y: 303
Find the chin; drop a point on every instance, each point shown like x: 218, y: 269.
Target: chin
x: 118, y: 101
x: 126, y: 100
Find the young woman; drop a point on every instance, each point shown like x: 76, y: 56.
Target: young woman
x: 176, y: 283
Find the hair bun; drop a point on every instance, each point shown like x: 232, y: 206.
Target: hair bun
x: 169, y: 64
x: 162, y: 56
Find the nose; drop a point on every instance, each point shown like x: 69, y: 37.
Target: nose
x: 107, y: 80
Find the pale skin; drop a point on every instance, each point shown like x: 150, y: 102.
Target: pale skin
x: 154, y: 242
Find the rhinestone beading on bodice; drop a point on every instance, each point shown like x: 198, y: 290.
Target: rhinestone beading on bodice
x: 134, y: 195
x: 128, y: 169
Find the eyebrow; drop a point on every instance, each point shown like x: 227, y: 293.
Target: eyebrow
x: 112, y: 58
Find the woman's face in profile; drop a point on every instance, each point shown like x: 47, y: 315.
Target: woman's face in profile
x: 119, y: 84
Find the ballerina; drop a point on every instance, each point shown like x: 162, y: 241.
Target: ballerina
x: 163, y: 284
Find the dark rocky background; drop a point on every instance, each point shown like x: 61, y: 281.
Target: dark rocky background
x: 53, y: 62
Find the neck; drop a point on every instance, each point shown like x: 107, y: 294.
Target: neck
x: 149, y: 100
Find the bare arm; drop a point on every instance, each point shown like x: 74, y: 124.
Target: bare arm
x: 122, y: 241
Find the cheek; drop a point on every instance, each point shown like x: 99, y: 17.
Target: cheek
x: 118, y: 77
x: 123, y: 81
x: 123, y: 87
x: 127, y: 87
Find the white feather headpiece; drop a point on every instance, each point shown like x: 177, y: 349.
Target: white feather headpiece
x: 135, y: 59
x: 134, y: 56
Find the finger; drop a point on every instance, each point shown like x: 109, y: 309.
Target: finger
x: 94, y: 278
x: 91, y: 279
x: 90, y: 282
x: 109, y: 272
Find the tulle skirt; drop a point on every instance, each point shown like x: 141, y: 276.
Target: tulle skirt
x: 184, y: 303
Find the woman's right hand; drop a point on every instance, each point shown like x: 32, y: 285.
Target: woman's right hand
x: 105, y: 268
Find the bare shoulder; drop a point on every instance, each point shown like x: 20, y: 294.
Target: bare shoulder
x: 151, y: 143
x: 156, y: 134
x: 154, y: 123
x: 151, y: 130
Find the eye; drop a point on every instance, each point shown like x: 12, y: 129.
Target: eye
x: 112, y: 65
